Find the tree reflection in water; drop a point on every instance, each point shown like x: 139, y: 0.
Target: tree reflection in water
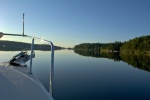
x: 140, y: 61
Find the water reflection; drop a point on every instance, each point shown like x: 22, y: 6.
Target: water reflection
x: 138, y: 61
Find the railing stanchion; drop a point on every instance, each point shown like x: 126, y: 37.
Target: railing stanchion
x: 32, y: 48
x: 52, y: 68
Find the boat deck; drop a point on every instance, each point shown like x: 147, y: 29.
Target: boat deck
x: 17, y: 84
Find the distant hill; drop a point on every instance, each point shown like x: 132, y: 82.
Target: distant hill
x: 15, y: 46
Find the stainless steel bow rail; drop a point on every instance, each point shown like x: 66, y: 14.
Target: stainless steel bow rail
x: 32, y: 48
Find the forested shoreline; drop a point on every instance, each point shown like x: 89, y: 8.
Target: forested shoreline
x: 136, y: 45
x: 15, y: 46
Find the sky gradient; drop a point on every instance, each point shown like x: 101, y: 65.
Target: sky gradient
x: 70, y: 22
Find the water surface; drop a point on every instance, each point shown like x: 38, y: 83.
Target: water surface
x: 79, y: 77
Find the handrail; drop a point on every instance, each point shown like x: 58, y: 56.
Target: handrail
x: 32, y: 48
x: 52, y: 59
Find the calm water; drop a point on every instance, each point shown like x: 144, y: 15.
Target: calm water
x: 80, y: 77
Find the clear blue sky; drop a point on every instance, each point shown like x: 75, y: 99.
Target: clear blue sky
x: 71, y: 22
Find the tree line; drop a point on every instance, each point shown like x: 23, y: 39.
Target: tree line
x: 15, y: 46
x: 99, y: 46
x: 138, y: 44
